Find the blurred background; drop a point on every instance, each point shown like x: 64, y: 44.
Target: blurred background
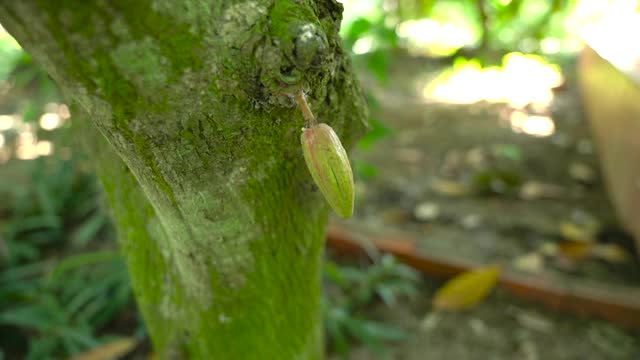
x: 502, y: 145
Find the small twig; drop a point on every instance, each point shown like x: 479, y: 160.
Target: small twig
x: 304, y: 107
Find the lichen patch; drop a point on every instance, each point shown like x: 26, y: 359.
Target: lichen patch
x: 142, y: 63
x: 238, y: 20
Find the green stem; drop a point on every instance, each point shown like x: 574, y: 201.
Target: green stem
x: 301, y: 100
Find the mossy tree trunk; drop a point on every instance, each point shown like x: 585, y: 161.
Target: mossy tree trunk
x: 185, y: 106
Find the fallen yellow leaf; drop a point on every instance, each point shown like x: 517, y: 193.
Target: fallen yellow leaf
x: 612, y: 253
x: 112, y: 350
x: 579, y: 232
x: 467, y: 290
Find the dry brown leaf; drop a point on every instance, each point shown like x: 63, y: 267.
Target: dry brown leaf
x: 396, y: 216
x: 112, y: 350
x: 467, y: 290
x: 578, y: 250
x: 449, y: 187
x: 575, y: 250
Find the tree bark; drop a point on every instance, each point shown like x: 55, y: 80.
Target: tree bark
x: 196, y: 141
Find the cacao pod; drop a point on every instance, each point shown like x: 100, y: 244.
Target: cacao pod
x: 329, y: 167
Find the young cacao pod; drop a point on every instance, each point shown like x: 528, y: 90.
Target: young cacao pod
x: 329, y: 167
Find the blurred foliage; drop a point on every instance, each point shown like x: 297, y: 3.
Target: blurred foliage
x: 61, y: 282
x: 58, y: 289
x: 480, y: 30
x: 444, y: 27
x: 49, y: 309
x: 59, y: 205
x: 351, y: 290
x: 29, y: 87
x: 376, y: 132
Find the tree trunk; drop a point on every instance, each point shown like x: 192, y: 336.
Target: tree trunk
x: 196, y: 141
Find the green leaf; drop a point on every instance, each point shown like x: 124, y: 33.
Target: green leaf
x: 20, y: 251
x: 358, y: 330
x: 373, y: 334
x: 337, y: 336
x: 89, y: 229
x: 31, y: 112
x: 36, y: 222
x: 32, y: 316
x: 42, y: 348
x: 80, y: 260
x: 358, y: 28
x: 80, y: 336
x: 378, y: 63
x: 333, y: 273
x: 364, y: 171
x: 384, y: 332
x: 387, y: 295
x: 377, y: 132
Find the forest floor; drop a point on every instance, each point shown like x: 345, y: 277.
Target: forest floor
x: 463, y: 183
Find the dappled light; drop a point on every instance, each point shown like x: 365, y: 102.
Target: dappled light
x: 363, y: 45
x: 27, y: 145
x: 30, y: 150
x: 613, y: 33
x: 7, y: 121
x: 430, y: 37
x: 531, y: 124
x: 55, y: 117
x: 521, y: 80
x: 49, y: 121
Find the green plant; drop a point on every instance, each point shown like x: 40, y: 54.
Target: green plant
x: 49, y: 309
x: 59, y: 200
x: 56, y: 296
x: 381, y: 39
x: 351, y: 290
x: 53, y: 201
x: 489, y: 25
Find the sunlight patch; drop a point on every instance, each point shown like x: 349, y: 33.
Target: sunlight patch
x: 521, y: 80
x: 533, y: 125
